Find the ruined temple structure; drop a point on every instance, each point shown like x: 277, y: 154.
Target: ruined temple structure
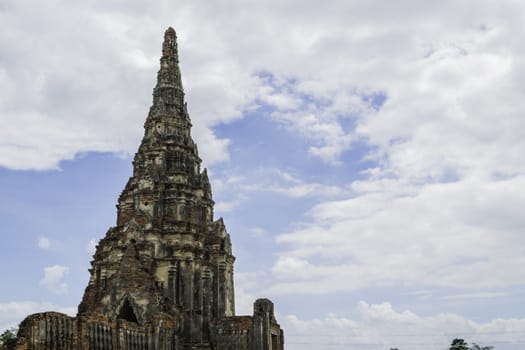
x: 162, y: 278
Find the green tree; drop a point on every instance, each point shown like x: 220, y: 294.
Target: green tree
x: 8, y: 339
x: 459, y: 344
x: 477, y: 347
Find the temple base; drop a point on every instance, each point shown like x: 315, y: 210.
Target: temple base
x: 57, y: 331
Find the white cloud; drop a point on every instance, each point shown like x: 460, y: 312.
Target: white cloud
x: 12, y: 313
x: 321, y: 121
x: 228, y: 188
x: 290, y: 185
x: 279, y: 182
x: 293, y: 267
x: 470, y: 296
x: 92, y: 246
x: 228, y: 206
x: 441, y: 235
x: 44, y: 243
x: 380, y: 326
x: 446, y: 71
x: 235, y: 190
x: 52, y: 280
x: 258, y: 231
x: 245, y: 284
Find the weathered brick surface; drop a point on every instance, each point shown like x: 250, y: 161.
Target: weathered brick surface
x: 162, y: 278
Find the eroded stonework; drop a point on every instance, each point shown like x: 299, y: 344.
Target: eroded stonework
x: 163, y: 277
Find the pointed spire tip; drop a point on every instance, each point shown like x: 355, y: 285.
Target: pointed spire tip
x: 169, y: 46
x: 170, y: 31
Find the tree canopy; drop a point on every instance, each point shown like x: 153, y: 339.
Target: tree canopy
x: 460, y: 344
x: 8, y: 339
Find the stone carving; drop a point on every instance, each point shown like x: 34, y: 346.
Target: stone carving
x: 162, y: 278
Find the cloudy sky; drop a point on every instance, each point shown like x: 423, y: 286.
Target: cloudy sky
x: 368, y: 157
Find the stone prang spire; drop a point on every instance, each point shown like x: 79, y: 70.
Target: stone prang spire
x: 162, y: 278
x: 167, y: 184
x: 169, y: 83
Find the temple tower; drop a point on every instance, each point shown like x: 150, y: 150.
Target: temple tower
x: 162, y: 278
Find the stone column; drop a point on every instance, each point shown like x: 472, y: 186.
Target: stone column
x: 207, y: 297
x: 221, y: 289
x: 172, y: 281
